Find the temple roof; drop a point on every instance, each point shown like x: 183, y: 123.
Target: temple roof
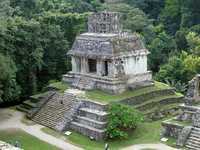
x: 107, y: 45
x: 105, y: 39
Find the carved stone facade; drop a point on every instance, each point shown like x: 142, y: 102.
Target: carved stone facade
x: 196, y: 119
x: 193, y: 93
x: 107, y: 58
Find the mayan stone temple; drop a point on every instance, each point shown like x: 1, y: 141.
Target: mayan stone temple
x: 107, y: 58
x: 104, y: 58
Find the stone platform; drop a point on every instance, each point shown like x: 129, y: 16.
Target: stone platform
x: 110, y: 85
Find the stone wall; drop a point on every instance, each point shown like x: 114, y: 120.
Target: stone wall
x: 141, y: 98
x: 110, y: 85
x: 146, y: 76
x: 135, y: 64
x: 171, y: 130
x: 193, y: 92
x: 187, y: 113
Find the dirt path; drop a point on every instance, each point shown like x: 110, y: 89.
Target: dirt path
x: 158, y: 146
x: 12, y: 119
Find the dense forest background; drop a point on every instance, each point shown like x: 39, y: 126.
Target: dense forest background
x: 36, y: 34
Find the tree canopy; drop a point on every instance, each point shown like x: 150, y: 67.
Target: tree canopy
x: 36, y: 34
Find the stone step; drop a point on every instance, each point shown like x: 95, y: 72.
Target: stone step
x: 194, y: 138
x: 193, y: 141
x: 195, y: 135
x: 47, y: 124
x: 91, y: 122
x: 95, y: 105
x: 22, y: 109
x: 196, y: 129
x: 192, y: 147
x: 190, y: 140
x: 89, y: 131
x: 93, y: 114
x: 30, y: 103
x: 53, y: 111
x: 162, y: 100
x: 45, y: 117
x: 84, y: 83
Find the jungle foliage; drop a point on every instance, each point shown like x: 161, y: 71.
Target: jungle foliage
x: 36, y: 34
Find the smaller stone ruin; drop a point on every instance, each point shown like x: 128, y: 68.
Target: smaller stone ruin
x: 193, y: 93
x: 186, y: 126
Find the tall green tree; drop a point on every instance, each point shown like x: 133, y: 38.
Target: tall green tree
x: 171, y: 15
x: 161, y: 48
x: 190, y: 13
x: 26, y: 50
x: 9, y: 89
x: 55, y: 46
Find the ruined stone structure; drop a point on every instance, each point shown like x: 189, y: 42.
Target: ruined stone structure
x: 69, y: 111
x: 187, y: 131
x: 193, y: 93
x: 107, y: 58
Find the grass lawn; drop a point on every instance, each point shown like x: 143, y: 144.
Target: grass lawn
x: 36, y: 96
x: 27, y: 141
x: 102, y: 96
x: 60, y: 86
x: 147, y: 132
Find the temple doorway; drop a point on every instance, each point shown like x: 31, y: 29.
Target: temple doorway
x: 92, y: 64
x: 106, y: 68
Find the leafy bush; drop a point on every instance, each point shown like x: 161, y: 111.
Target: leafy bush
x: 122, y: 118
x: 179, y: 87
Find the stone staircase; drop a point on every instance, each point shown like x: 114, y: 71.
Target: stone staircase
x: 53, y: 112
x: 91, y: 120
x: 84, y: 83
x: 193, y: 141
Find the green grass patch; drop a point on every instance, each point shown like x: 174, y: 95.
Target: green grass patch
x: 60, y: 86
x: 29, y: 103
x: 157, y: 100
x: 36, y: 96
x: 161, y: 109
x: 27, y: 141
x: 147, y: 132
x: 104, y: 97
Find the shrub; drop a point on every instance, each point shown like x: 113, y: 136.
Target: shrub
x: 122, y: 118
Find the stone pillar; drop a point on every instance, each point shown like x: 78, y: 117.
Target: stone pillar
x: 74, y: 67
x: 111, y: 69
x: 84, y: 65
x: 196, y: 119
x: 100, y: 69
x: 76, y: 64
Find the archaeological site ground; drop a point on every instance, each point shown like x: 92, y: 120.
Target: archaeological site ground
x: 99, y: 75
